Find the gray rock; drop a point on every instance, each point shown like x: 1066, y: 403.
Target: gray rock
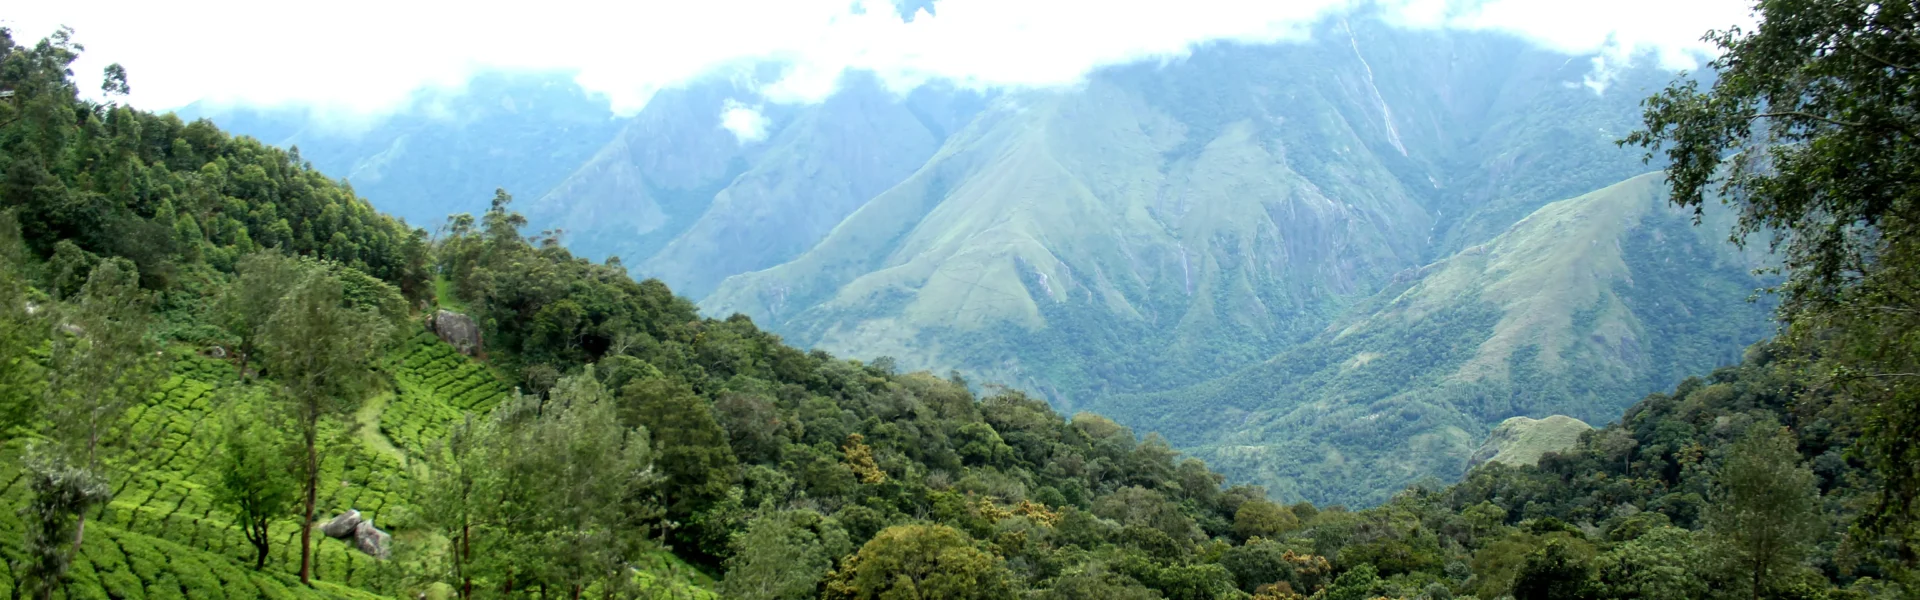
x: 457, y: 330
x: 371, y: 540
x: 343, y: 526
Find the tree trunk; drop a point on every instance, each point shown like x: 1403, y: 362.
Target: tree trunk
x: 313, y: 484
x: 257, y: 533
x: 79, y: 532
x: 466, y: 560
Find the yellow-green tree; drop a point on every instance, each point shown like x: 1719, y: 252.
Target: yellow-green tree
x: 925, y: 562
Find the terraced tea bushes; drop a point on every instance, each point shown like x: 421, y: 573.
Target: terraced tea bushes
x: 163, y: 487
x: 433, y: 386
x: 115, y: 562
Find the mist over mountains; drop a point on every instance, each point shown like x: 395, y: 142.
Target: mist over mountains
x: 1327, y: 266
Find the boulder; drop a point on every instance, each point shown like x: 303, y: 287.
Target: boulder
x: 456, y: 330
x: 371, y: 540
x: 343, y: 526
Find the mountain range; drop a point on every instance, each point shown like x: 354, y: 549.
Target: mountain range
x: 1329, y: 266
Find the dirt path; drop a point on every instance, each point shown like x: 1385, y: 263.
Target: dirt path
x: 368, y: 421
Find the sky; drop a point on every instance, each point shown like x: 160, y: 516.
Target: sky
x: 367, y: 57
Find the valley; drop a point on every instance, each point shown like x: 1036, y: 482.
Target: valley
x: 1179, y: 244
x: 784, y: 301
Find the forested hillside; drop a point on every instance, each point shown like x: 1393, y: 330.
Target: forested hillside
x: 210, y: 350
x: 444, y: 150
x: 1135, y: 246
x: 1576, y: 310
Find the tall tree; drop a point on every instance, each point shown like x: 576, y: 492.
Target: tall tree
x: 19, y: 331
x: 1766, y: 513
x: 540, y: 491
x: 457, y: 495
x: 1810, y: 129
x: 100, y: 363
x: 693, y: 452
x: 1554, y: 572
x: 588, y: 467
x: 317, y: 349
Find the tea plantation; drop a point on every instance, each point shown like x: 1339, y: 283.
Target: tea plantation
x: 162, y: 536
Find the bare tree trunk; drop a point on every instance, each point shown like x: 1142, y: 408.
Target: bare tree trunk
x: 313, y: 483
x: 79, y: 533
x: 257, y: 533
x: 466, y: 560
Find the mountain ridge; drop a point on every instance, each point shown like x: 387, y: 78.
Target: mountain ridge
x: 1408, y: 385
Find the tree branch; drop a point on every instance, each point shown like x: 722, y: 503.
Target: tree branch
x: 1803, y: 115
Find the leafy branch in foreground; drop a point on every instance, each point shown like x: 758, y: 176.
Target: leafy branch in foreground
x: 1812, y: 129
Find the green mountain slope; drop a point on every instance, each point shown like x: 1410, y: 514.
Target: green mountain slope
x: 813, y: 171
x: 1522, y: 441
x: 1576, y: 309
x: 1164, y: 224
x: 679, y: 197
x: 1067, y: 199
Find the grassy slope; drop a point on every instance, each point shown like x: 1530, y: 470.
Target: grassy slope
x: 1166, y: 224
x: 1085, y: 206
x: 1521, y: 441
x: 1576, y: 310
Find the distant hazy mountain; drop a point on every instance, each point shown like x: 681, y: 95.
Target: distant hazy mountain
x: 1164, y: 224
x: 682, y: 198
x: 1579, y: 309
x: 1198, y: 246
x: 445, y: 151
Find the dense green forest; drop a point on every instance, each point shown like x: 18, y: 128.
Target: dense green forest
x: 208, y: 350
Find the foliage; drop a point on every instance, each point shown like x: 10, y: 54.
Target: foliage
x: 1554, y: 572
x: 317, y: 349
x: 920, y: 561
x: 1807, y: 129
x: 647, y: 450
x: 19, y: 332
x: 62, y: 493
x: 255, y: 469
x: 1766, y: 508
x: 168, y: 195
x: 779, y: 557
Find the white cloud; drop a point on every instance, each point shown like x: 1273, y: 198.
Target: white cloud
x: 745, y: 122
x: 365, y: 56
